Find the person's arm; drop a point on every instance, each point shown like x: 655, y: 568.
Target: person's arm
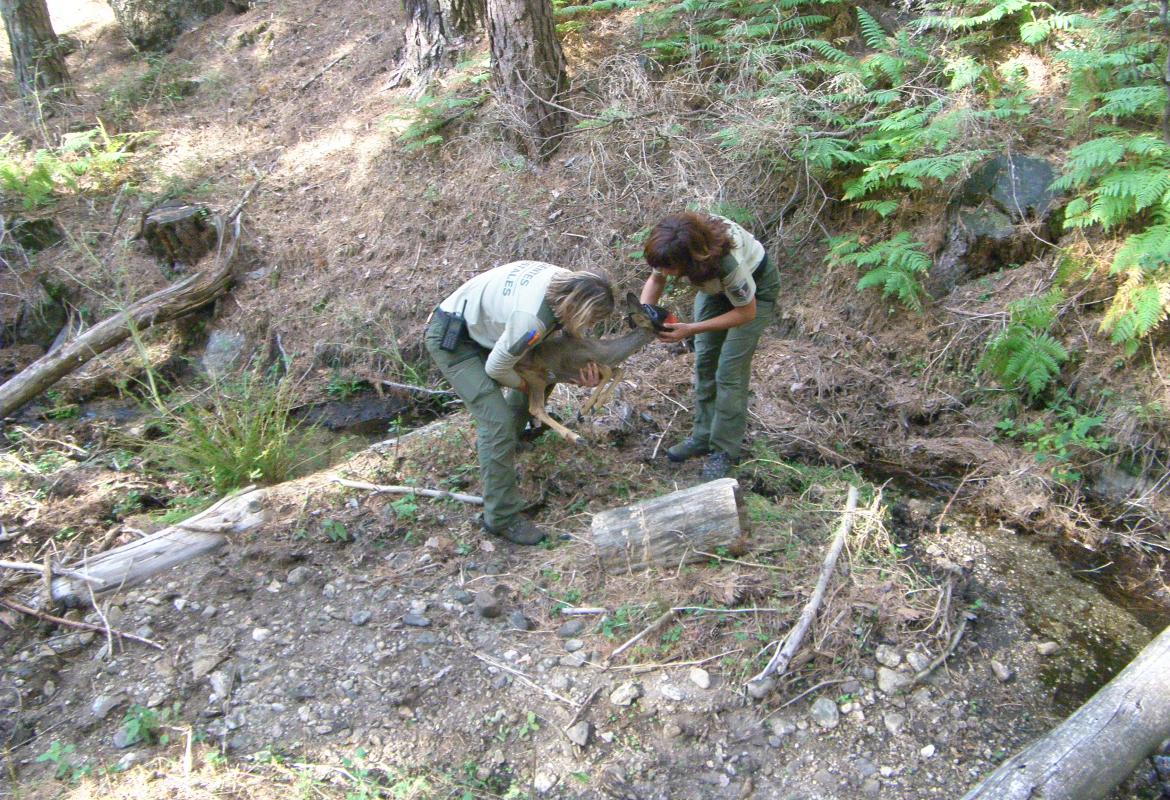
x: 521, y: 332
x: 740, y: 315
x: 653, y: 288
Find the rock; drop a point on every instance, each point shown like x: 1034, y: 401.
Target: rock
x: 543, y: 782
x: 223, y: 350
x: 576, y: 659
x: 758, y: 690
x: 221, y: 683
x: 1002, y: 672
x: 1048, y: 648
x: 1016, y: 184
x: 204, y: 663
x: 122, y: 739
x: 626, y: 694
x: 416, y: 621
x: 298, y: 575
x: 103, y: 704
x: 887, y: 656
x: 700, y: 677
x: 892, y: 682
x: 872, y: 787
x: 825, y: 713
x: 460, y: 595
x: 49, y: 689
x: 520, y: 622
x: 487, y: 605
x: 927, y: 752
x: 579, y: 734
x: 361, y: 617
x: 781, y: 726
x: 573, y: 645
x: 570, y: 628
x: 917, y: 661
x: 894, y: 722
x: 261, y: 634
x: 672, y: 693
x: 672, y: 730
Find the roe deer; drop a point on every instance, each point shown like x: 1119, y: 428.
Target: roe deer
x: 562, y: 357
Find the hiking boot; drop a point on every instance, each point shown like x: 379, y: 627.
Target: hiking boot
x: 717, y: 465
x: 688, y: 448
x: 518, y: 531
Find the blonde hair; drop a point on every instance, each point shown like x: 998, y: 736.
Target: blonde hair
x: 580, y: 300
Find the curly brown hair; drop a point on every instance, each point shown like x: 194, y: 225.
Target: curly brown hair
x: 689, y: 242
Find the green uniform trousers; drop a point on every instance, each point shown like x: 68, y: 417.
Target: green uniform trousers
x: 498, y: 418
x: 723, y: 368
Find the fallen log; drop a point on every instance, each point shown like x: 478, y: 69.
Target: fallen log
x: 164, y: 305
x: 136, y: 561
x: 669, y: 530
x: 787, y: 650
x: 1092, y: 751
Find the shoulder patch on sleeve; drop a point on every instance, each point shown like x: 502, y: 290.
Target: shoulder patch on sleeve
x: 529, y: 339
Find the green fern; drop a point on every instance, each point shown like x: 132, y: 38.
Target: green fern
x: 1024, y: 356
x: 898, y: 265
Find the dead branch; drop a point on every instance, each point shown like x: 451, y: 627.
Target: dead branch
x: 779, y: 662
x: 654, y: 626
x: 164, y: 305
x: 474, y: 500
x: 68, y: 623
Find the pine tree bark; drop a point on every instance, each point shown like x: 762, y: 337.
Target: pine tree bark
x: 38, y: 59
x: 426, y: 41
x: 464, y: 17
x: 528, y: 70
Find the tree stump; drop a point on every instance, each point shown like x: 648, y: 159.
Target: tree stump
x: 179, y: 233
x: 669, y: 530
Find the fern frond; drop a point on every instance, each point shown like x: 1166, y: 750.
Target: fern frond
x: 964, y: 71
x: 1021, y: 358
x: 871, y: 29
x: 1148, y: 251
x: 1130, y: 101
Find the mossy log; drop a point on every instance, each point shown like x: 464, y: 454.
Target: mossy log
x: 164, y: 305
x: 669, y: 530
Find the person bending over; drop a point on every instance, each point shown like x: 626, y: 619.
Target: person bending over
x: 478, y: 334
x: 737, y: 291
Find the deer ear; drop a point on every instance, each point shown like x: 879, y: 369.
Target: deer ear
x: 632, y: 301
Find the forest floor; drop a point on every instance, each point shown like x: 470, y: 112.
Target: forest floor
x: 361, y: 645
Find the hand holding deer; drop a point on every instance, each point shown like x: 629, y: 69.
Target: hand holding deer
x: 563, y: 357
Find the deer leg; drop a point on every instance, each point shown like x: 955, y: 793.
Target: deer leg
x: 607, y: 374
x: 605, y: 391
x: 536, y: 400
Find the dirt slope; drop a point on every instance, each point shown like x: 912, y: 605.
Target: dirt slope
x: 305, y: 641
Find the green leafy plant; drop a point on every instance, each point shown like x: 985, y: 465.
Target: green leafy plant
x: 434, y: 115
x: 896, y: 265
x: 335, y: 530
x: 61, y: 757
x: 1061, y: 439
x: 144, y: 725
x: 1024, y: 355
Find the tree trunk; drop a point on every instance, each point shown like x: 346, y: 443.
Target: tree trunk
x: 37, y: 57
x: 464, y: 16
x: 426, y: 41
x: 669, y: 530
x: 528, y: 70
x: 164, y: 305
x: 1092, y: 751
